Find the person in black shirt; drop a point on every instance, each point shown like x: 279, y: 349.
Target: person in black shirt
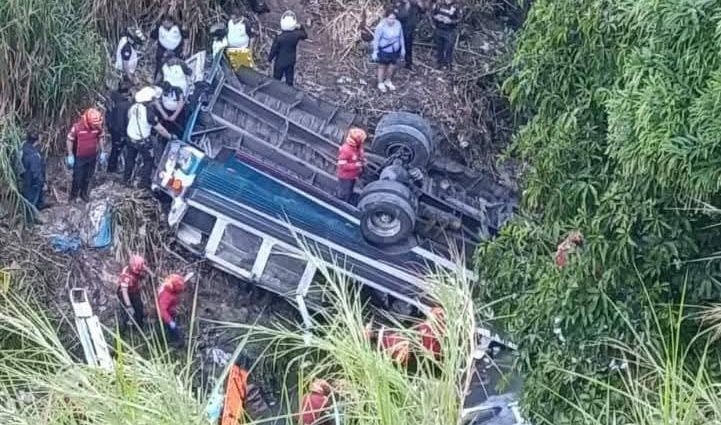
x: 409, y: 13
x: 170, y: 36
x: 284, y: 48
x: 446, y: 16
x: 33, y: 174
x: 117, y: 119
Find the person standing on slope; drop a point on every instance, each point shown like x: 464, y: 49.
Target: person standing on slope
x: 84, y: 142
x: 284, y: 48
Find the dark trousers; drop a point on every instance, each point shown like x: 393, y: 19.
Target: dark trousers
x: 345, y: 189
x: 35, y: 196
x: 174, y: 336
x: 445, y: 43
x: 175, y: 127
x: 145, y: 149
x: 115, y: 151
x: 287, y: 71
x: 408, y: 35
x: 82, y: 174
x: 136, y: 301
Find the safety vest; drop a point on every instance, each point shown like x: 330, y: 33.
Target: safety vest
x: 86, y: 142
x: 174, y: 75
x: 132, y: 62
x: 170, y: 39
x: 237, y: 35
x: 138, y: 126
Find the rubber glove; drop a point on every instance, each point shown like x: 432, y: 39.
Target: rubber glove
x: 103, y: 158
x: 172, y: 325
x: 70, y: 161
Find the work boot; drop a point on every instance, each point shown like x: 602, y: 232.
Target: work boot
x: 390, y: 86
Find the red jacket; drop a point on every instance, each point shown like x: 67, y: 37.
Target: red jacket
x: 86, y: 141
x: 429, y: 339
x: 314, y: 406
x: 130, y: 280
x: 349, y: 157
x: 167, y: 303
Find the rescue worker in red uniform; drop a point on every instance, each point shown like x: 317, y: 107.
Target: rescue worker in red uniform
x: 168, y: 298
x: 391, y: 342
x: 350, y: 162
x: 428, y: 331
x: 84, y: 142
x: 129, y: 289
x: 315, y: 404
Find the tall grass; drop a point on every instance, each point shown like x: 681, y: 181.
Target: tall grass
x: 42, y: 382
x: 50, y: 57
x: 369, y: 387
x: 11, y: 202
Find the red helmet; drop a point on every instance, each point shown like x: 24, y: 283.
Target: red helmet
x: 137, y: 263
x: 93, y: 118
x: 356, y: 136
x: 174, y: 283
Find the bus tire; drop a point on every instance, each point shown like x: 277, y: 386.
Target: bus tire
x: 387, y: 218
x: 407, y: 134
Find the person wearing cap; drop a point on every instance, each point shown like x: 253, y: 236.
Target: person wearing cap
x: 170, y: 37
x: 350, y: 162
x: 126, y: 55
x: 239, y: 36
x: 84, y: 142
x: 142, y: 120
x: 283, y: 52
x: 117, y: 118
x: 129, y: 290
x: 168, y: 298
x: 171, y: 108
x: 33, y: 174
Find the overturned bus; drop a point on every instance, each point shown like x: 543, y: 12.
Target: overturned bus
x: 254, y: 184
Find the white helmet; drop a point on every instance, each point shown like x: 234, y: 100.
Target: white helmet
x: 288, y: 21
x: 147, y: 94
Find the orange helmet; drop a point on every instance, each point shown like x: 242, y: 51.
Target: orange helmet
x: 137, y: 263
x: 174, y: 283
x: 93, y: 118
x: 356, y: 136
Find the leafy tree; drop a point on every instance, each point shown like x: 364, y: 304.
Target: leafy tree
x: 622, y: 142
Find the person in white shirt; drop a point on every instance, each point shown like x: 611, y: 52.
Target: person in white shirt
x: 126, y: 55
x: 176, y: 72
x: 170, y: 37
x: 239, y: 36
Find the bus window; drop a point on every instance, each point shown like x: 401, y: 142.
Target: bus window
x: 195, y: 228
x: 283, y: 271
x: 238, y: 247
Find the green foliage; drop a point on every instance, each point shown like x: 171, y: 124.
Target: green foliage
x: 50, y: 56
x: 51, y: 60
x: 622, y: 100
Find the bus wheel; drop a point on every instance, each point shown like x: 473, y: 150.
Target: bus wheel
x: 405, y: 135
x: 388, y: 218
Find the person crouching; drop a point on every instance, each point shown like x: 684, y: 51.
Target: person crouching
x: 168, y: 298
